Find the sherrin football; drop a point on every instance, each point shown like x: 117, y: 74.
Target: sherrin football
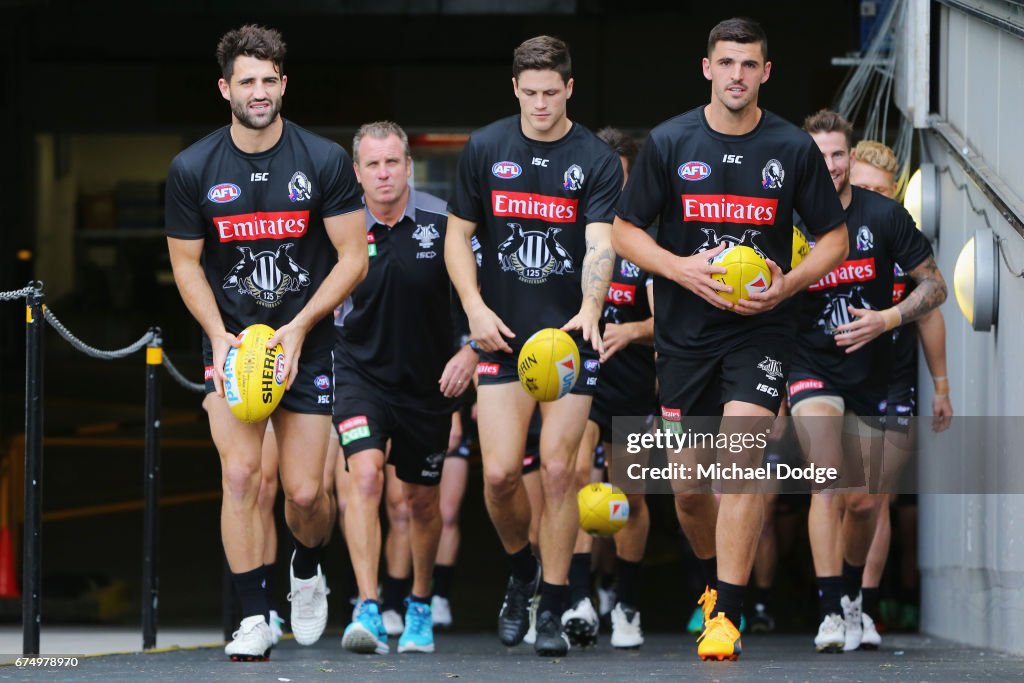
x: 801, y: 247
x: 549, y: 364
x: 604, y: 509
x: 745, y: 271
x: 255, y: 375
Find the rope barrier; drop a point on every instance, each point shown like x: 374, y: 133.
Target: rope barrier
x: 91, y: 350
x: 181, y: 379
x: 21, y: 293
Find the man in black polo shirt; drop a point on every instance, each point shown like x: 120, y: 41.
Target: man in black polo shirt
x: 395, y: 376
x: 263, y: 227
x: 538, y: 191
x: 724, y: 174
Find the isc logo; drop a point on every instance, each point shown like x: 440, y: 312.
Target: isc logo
x: 223, y: 193
x: 732, y: 158
x: 506, y: 170
x: 694, y: 170
x: 771, y: 391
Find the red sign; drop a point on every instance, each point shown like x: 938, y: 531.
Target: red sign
x: 208, y: 372
x: 861, y: 270
x: 620, y: 294
x: 262, y: 225
x: 729, y: 208
x: 487, y: 368
x: 899, y: 290
x: 529, y: 205
x: 352, y: 423
x: 671, y: 414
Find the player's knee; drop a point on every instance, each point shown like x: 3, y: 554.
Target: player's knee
x: 558, y: 479
x: 637, y: 503
x: 449, y: 514
x: 861, y: 506
x: 305, y: 495
x: 366, y: 482
x: 421, y: 501
x: 690, y: 503
x: 241, y: 479
x: 500, y: 482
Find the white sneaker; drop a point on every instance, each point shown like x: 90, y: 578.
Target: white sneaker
x: 852, y: 618
x: 831, y: 634
x: 276, y: 622
x: 393, y: 622
x: 531, y: 635
x: 441, y: 610
x: 626, y: 632
x: 871, y: 639
x: 580, y: 623
x: 605, y: 601
x: 309, y: 606
x: 251, y: 642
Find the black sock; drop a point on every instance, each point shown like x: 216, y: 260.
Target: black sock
x: 305, y: 561
x: 852, y: 577
x: 416, y: 598
x: 709, y: 571
x: 443, y: 575
x: 730, y: 601
x: 393, y: 593
x: 579, y: 577
x: 870, y: 606
x: 830, y: 590
x: 251, y: 587
x: 629, y: 573
x: 607, y: 580
x: 268, y: 570
x: 524, y: 564
x: 552, y: 599
x: 762, y: 595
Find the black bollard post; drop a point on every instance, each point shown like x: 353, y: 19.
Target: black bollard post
x: 32, y: 553
x: 151, y: 492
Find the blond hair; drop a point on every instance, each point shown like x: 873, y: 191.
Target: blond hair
x: 876, y: 154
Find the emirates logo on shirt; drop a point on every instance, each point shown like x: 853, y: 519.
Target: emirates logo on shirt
x: 848, y: 272
x: 539, y: 206
x: 261, y: 225
x: 729, y: 208
x: 619, y: 294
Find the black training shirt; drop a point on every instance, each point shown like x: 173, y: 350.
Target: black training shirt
x: 531, y: 202
x: 882, y: 234
x: 395, y: 330
x: 707, y: 188
x: 266, y: 250
x: 626, y: 302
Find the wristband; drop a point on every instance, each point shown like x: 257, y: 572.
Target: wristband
x: 891, y: 317
x: 941, y: 386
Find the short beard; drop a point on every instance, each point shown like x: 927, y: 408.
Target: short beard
x: 241, y: 112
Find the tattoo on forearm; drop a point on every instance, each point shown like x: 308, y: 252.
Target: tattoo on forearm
x: 929, y: 293
x: 597, y: 272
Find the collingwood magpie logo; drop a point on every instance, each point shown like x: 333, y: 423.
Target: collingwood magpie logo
x: 865, y: 240
x: 772, y: 175
x: 712, y: 239
x: 572, y: 179
x: 629, y: 269
x: 836, y: 311
x: 425, y: 235
x: 534, y: 255
x: 266, y: 276
x: 299, y: 187
x: 772, y: 368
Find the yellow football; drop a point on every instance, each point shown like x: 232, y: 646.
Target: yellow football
x: 801, y: 247
x: 745, y: 271
x: 255, y: 375
x: 604, y: 509
x: 549, y: 364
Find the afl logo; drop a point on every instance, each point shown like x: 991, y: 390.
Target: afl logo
x: 223, y: 193
x: 694, y: 170
x: 322, y: 382
x: 507, y: 170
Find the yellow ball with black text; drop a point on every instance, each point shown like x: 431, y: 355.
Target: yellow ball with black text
x: 801, y: 247
x: 255, y: 375
x: 604, y: 509
x: 549, y: 364
x: 745, y: 271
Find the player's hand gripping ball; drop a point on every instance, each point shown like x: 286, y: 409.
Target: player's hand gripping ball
x: 801, y: 247
x: 549, y: 364
x: 256, y: 375
x: 745, y: 271
x: 604, y: 509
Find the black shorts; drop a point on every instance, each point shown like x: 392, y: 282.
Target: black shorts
x: 603, y: 409
x: 867, y: 403
x: 365, y: 418
x: 752, y: 369
x: 311, y: 391
x: 499, y: 367
x: 900, y: 406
